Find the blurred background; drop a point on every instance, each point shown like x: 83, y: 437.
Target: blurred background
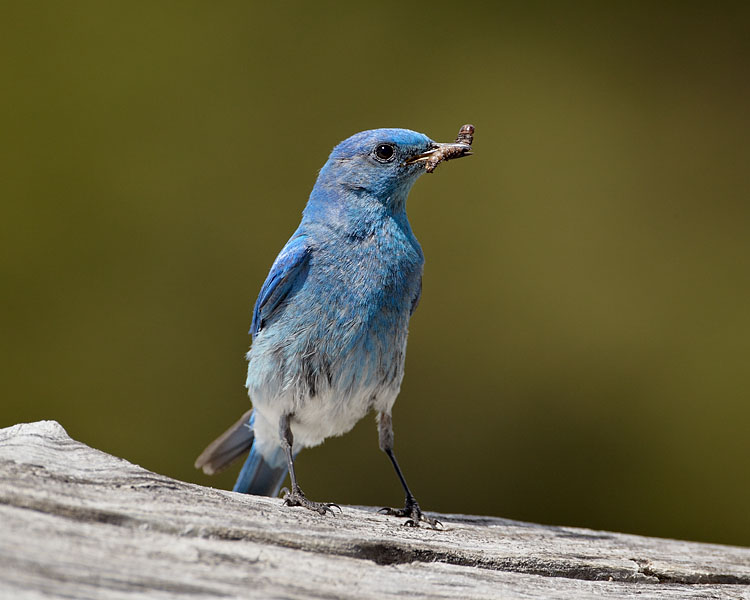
x: 580, y: 354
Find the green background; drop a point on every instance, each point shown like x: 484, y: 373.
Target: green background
x: 580, y: 354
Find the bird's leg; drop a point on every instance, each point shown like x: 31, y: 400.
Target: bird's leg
x: 295, y: 497
x: 411, y: 508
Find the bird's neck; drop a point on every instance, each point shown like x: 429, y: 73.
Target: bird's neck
x: 355, y: 210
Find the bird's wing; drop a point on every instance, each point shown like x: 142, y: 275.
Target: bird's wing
x: 415, y: 300
x: 282, y: 276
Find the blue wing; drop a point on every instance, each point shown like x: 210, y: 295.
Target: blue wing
x: 287, y: 266
x: 415, y: 300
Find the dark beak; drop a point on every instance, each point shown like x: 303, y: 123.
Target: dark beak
x: 448, y: 151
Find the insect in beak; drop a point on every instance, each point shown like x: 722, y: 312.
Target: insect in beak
x: 448, y: 151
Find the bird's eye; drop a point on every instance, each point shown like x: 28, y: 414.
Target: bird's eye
x: 384, y: 152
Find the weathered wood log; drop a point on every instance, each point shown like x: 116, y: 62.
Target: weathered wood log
x: 78, y: 523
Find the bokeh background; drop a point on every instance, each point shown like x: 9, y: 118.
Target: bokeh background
x: 580, y: 355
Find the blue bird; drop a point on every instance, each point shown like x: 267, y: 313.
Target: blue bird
x: 330, y: 324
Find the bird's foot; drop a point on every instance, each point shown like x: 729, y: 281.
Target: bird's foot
x: 297, y: 498
x: 413, y: 513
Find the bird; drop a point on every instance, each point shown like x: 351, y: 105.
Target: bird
x: 329, y: 327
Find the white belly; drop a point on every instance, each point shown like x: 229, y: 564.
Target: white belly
x: 314, y: 419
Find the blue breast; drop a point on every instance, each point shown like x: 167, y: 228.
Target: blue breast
x: 344, y: 324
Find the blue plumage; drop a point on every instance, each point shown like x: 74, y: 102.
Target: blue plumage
x: 330, y: 324
x: 283, y: 273
x: 261, y: 475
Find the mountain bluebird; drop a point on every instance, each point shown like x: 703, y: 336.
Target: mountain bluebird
x: 329, y: 326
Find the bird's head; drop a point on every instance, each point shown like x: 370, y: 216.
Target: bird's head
x: 380, y: 166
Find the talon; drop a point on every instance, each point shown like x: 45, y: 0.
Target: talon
x: 325, y: 508
x: 432, y: 522
x: 393, y: 512
x: 297, y: 498
x: 414, y: 514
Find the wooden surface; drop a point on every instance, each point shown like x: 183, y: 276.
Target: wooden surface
x: 78, y: 523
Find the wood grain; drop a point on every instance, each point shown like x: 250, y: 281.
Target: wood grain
x: 78, y: 523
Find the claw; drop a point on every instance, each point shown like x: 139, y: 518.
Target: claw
x: 414, y: 513
x: 297, y: 498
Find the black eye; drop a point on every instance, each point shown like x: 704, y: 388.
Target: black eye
x: 384, y: 152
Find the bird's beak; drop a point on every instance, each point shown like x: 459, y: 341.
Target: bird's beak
x: 447, y: 151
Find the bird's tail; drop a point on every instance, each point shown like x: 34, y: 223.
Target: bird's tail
x: 260, y: 475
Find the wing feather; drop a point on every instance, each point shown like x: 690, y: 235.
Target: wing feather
x: 282, y: 276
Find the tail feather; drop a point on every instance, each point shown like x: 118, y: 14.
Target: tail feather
x: 260, y: 475
x: 228, y: 447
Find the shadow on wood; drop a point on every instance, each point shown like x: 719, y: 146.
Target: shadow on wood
x: 78, y: 523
